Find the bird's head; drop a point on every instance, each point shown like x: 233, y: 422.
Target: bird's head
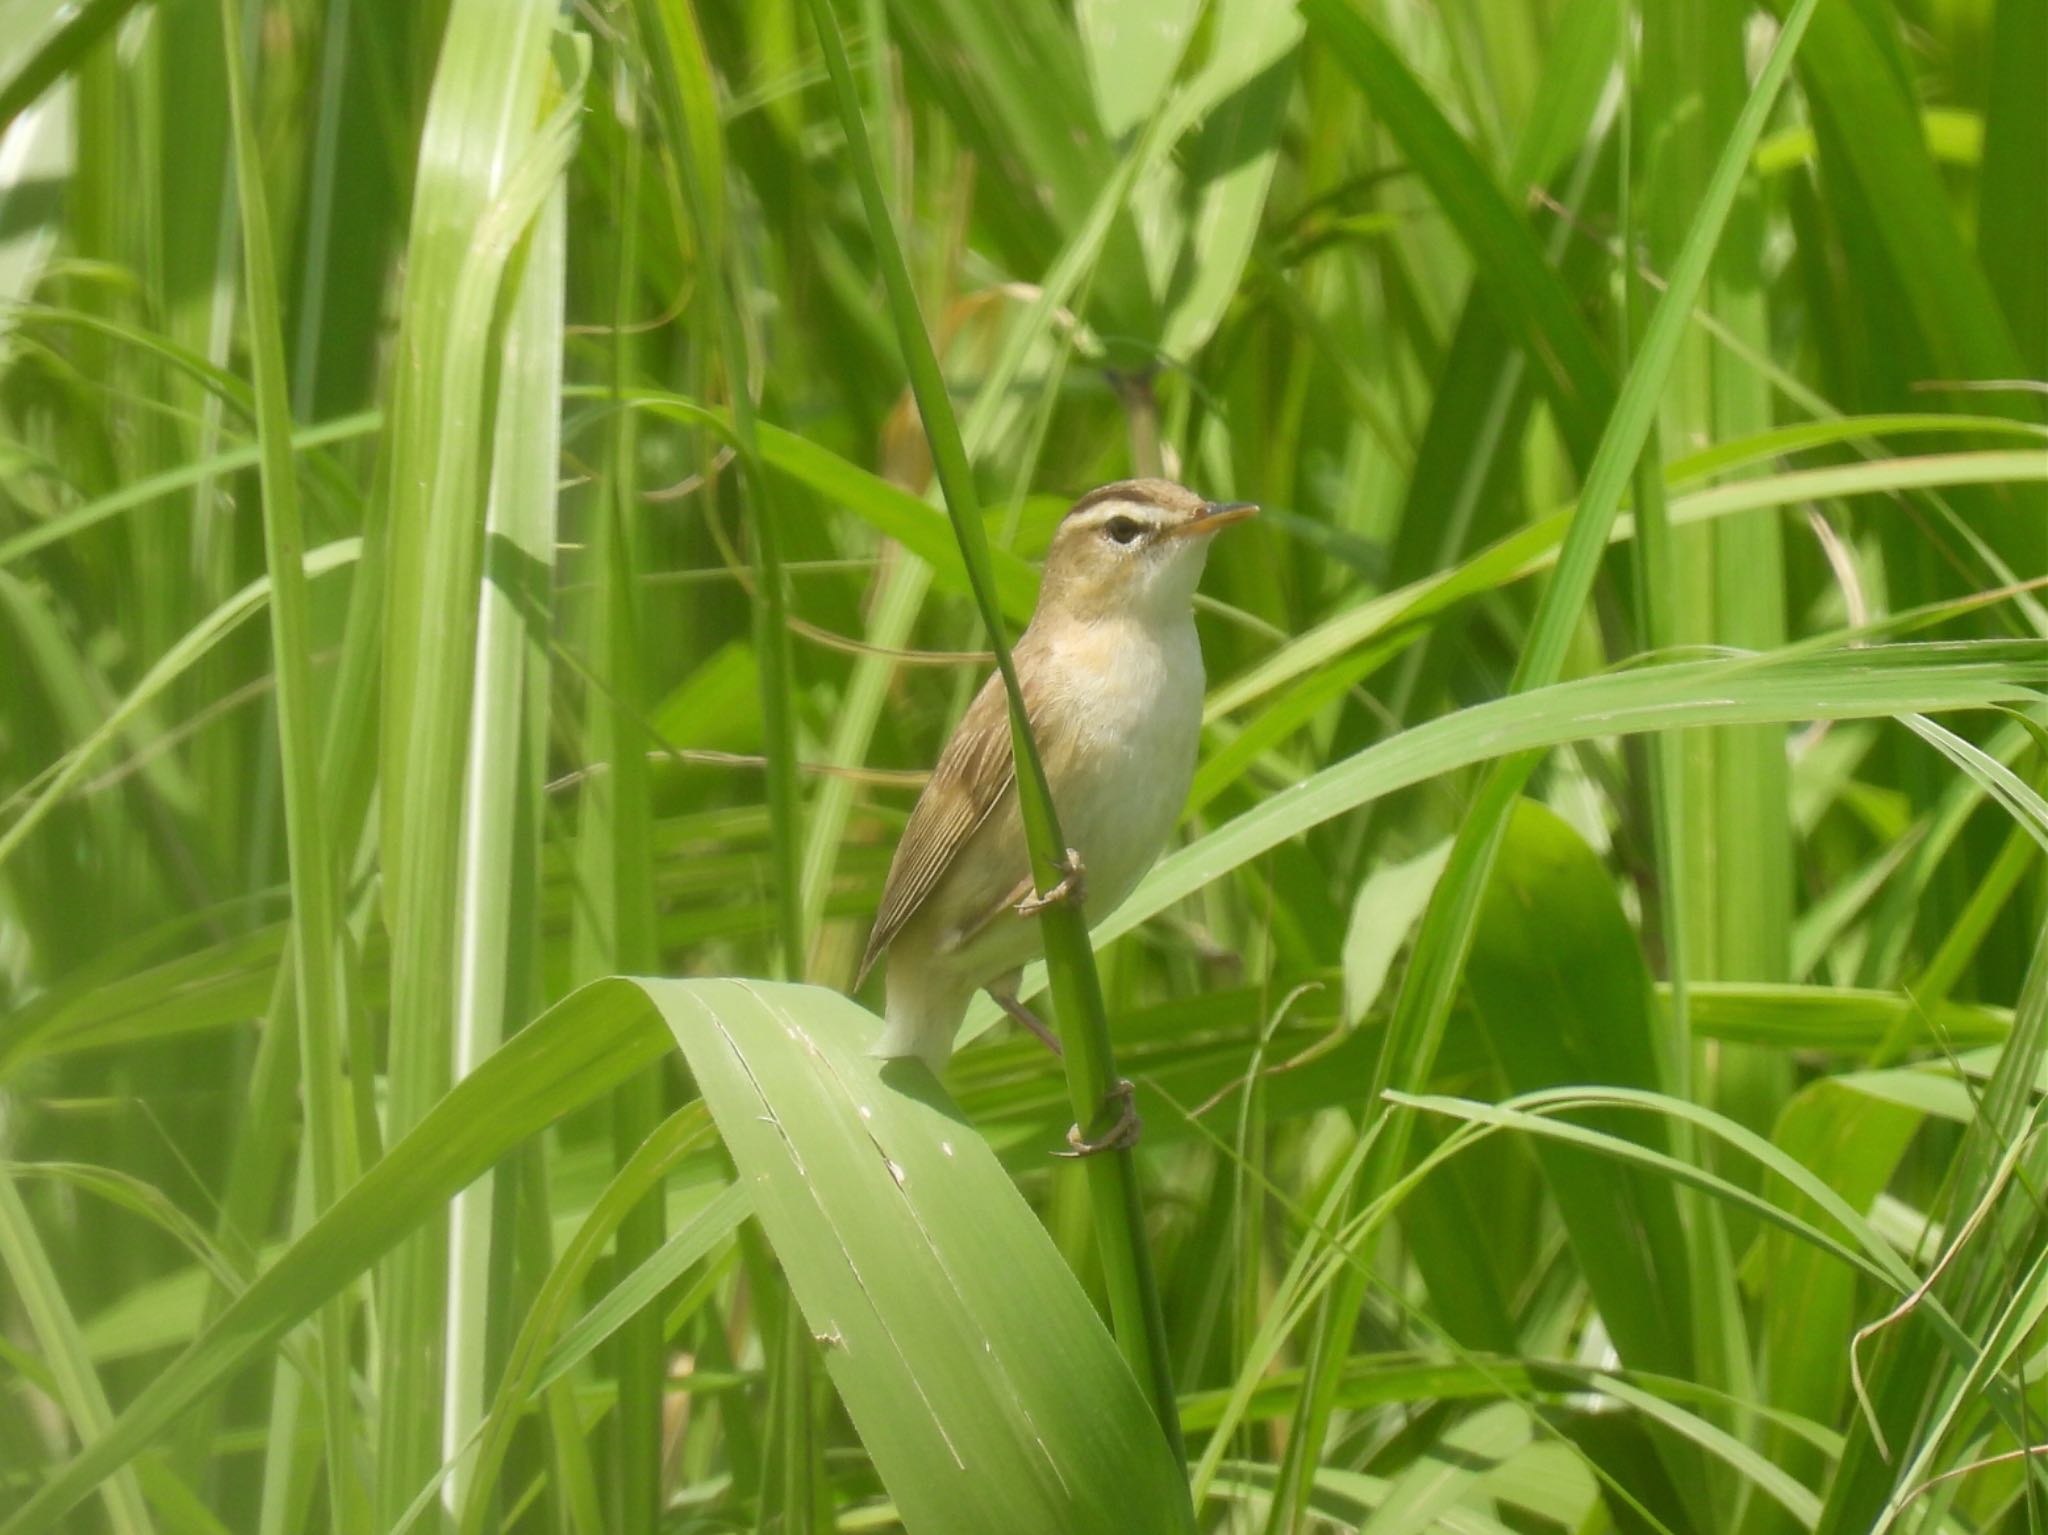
x: 1135, y: 547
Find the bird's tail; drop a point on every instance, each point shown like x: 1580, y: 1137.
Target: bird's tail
x: 922, y: 1016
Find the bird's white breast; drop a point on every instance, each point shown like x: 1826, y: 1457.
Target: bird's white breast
x: 1131, y: 709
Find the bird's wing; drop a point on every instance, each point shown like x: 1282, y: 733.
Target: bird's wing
x: 974, y: 772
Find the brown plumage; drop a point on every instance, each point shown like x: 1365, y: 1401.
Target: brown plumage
x: 974, y: 773
x: 1111, y: 675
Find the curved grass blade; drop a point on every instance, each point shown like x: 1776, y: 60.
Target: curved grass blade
x: 1792, y: 686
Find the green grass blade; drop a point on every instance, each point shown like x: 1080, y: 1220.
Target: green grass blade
x: 1425, y: 999
x: 49, y: 45
x: 1862, y: 683
x: 506, y: 760
x: 490, y: 155
x: 315, y: 888
x: 685, y: 99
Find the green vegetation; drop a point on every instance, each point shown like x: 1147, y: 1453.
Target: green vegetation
x: 498, y: 504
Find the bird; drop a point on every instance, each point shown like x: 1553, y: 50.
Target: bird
x: 1110, y: 669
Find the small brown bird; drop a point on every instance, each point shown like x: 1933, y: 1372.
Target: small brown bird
x: 1111, y: 673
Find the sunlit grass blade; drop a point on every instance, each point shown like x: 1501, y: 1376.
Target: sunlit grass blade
x: 493, y: 147
x: 506, y: 763
x: 1849, y: 683
x: 956, y: 1335
x: 317, y: 936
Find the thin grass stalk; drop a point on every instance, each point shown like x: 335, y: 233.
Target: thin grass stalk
x: 1423, y: 1005
x: 1951, y: 959
x: 904, y: 588
x: 287, y: 1452
x: 318, y: 215
x: 1077, y: 990
x: 348, y: 775
x: 1729, y: 895
x: 1651, y: 552
x: 315, y: 926
x: 898, y: 600
x: 1720, y: 1351
x: 790, y: 1505
x: 638, y: 1354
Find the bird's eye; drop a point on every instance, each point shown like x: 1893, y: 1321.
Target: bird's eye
x: 1122, y: 529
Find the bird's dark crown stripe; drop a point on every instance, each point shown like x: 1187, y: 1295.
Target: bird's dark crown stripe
x: 1134, y: 492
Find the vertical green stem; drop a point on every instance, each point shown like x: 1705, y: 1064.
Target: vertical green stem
x: 638, y: 1350
x: 1070, y: 961
x: 316, y: 931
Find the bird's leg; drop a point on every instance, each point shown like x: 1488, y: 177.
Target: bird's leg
x: 1020, y: 1014
x: 1119, y: 1136
x: 1071, y: 888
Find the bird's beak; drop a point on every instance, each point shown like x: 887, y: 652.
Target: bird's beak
x: 1216, y: 516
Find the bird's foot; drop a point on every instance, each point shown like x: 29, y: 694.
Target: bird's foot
x: 1072, y: 886
x: 1020, y: 1014
x: 1119, y: 1136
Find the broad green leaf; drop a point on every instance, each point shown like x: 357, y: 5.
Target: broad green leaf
x: 1809, y: 1304
x: 1131, y: 51
x: 1383, y: 914
x: 1565, y: 998
x: 1246, y: 84
x: 982, y: 1382
x: 956, y: 1333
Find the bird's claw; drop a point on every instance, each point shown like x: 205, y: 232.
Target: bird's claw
x: 1118, y: 1137
x: 1021, y: 1014
x: 1070, y: 889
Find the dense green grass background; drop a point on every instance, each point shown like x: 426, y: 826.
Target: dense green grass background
x: 474, y: 520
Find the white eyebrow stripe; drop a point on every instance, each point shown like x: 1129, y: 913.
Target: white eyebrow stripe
x: 1105, y: 512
